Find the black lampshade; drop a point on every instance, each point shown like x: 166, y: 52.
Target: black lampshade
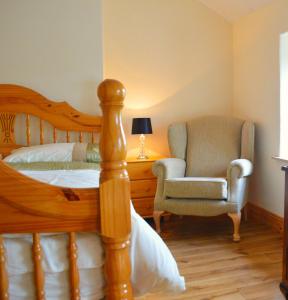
x: 141, y: 126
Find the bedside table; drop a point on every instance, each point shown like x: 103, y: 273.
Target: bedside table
x: 143, y: 185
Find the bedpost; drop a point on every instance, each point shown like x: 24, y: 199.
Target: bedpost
x: 114, y: 193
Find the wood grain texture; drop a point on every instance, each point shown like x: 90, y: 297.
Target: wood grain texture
x: 41, y: 132
x: 54, y: 135
x: 284, y: 282
x: 35, y: 207
x: 236, y: 219
x: 39, y: 277
x: 28, y: 130
x: 35, y: 197
x: 30, y: 203
x: 157, y: 219
x: 143, y: 186
x: 7, y: 122
x: 19, y: 99
x: 214, y: 268
x: 16, y: 99
x: 262, y: 215
x: 67, y: 136
x: 80, y: 137
x: 144, y: 206
x: 73, y: 272
x: 140, y: 170
x: 114, y: 193
x: 93, y: 137
x: 3, y: 272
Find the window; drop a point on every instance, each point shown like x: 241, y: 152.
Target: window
x: 284, y: 95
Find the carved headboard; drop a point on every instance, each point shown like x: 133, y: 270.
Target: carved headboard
x: 15, y: 100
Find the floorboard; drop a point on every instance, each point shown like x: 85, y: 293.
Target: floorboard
x: 216, y: 268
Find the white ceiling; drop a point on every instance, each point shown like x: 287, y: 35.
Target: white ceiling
x: 234, y: 9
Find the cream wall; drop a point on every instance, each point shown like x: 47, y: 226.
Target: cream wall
x: 175, y: 61
x: 54, y: 47
x: 257, y: 95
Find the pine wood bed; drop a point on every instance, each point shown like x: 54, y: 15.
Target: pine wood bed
x: 28, y: 206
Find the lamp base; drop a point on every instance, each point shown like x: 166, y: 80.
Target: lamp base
x: 142, y: 157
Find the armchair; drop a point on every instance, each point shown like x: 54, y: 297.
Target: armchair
x: 208, y: 176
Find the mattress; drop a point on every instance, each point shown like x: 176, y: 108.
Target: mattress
x: 153, y: 266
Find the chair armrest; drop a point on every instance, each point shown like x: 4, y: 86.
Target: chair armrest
x: 244, y: 167
x: 169, y: 168
x: 237, y: 173
x: 164, y: 169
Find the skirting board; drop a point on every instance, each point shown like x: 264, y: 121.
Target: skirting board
x: 262, y: 215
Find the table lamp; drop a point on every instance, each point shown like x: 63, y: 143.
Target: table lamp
x: 142, y: 126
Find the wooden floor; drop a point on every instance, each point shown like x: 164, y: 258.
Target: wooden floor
x: 216, y: 268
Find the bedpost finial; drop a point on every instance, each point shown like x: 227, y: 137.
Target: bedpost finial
x: 111, y: 90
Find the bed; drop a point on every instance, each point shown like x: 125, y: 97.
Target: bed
x: 31, y: 205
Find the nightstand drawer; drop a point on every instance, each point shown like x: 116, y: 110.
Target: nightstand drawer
x: 140, y: 170
x: 144, y: 206
x: 143, y: 188
x: 143, y: 185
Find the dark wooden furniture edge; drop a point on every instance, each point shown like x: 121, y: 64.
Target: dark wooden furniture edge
x: 284, y: 282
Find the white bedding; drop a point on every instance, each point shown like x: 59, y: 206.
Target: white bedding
x: 153, y: 267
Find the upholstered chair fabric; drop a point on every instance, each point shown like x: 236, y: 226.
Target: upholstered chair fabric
x: 196, y: 188
x: 213, y: 142
x: 177, y: 138
x: 247, y: 141
x: 209, y: 174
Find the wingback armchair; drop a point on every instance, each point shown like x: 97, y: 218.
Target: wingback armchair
x: 208, y: 174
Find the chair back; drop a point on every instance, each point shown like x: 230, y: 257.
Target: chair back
x: 209, y: 144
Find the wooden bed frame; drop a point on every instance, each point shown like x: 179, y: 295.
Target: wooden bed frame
x: 28, y: 206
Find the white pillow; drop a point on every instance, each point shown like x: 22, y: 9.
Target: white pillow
x: 44, y: 153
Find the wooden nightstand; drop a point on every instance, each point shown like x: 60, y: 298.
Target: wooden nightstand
x: 143, y: 185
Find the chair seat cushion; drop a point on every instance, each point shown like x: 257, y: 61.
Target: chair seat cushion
x: 196, y: 187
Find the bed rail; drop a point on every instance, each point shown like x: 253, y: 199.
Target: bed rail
x: 29, y: 206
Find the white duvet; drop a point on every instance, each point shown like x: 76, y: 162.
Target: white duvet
x: 153, y: 267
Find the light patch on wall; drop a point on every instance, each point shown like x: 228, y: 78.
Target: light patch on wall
x: 284, y: 95
x: 174, y: 60
x: 138, y: 101
x: 140, y: 98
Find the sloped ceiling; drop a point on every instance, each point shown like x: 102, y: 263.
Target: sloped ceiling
x: 234, y: 9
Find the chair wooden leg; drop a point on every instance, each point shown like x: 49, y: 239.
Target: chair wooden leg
x: 157, y: 219
x: 236, y: 218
